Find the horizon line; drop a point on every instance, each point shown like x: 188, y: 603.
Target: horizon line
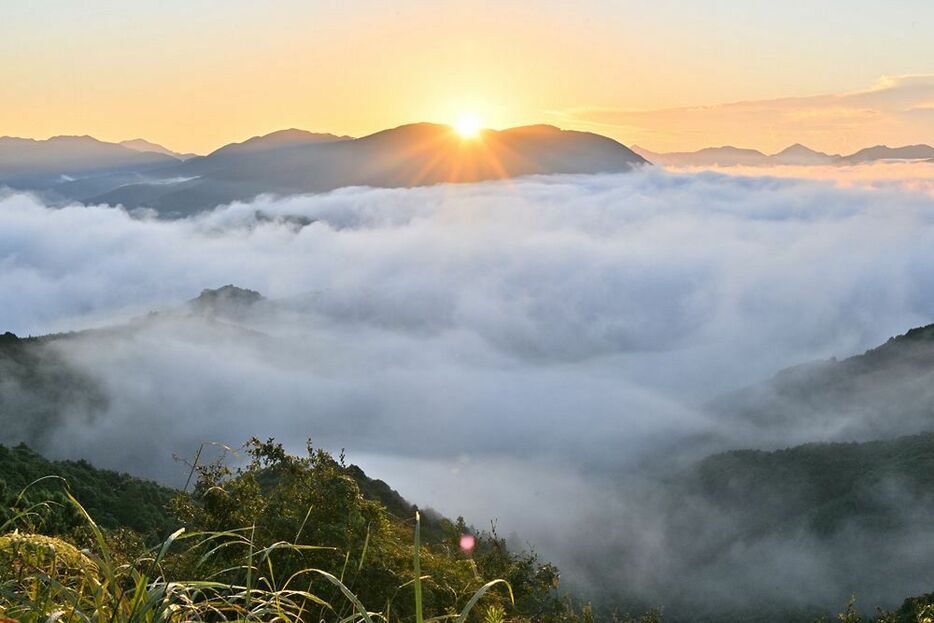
x: 632, y: 146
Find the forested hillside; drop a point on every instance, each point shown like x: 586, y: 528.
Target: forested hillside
x: 884, y: 392
x: 38, y: 386
x: 322, y: 513
x: 115, y: 500
x: 336, y: 518
x: 823, y: 488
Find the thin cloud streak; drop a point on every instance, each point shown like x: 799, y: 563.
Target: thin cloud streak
x: 897, y: 110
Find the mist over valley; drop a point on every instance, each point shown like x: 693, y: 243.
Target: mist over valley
x: 566, y: 355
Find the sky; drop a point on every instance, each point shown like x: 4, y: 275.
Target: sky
x: 665, y: 75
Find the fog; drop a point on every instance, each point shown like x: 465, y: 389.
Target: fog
x: 513, y: 350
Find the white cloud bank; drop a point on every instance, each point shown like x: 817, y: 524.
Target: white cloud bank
x: 556, y: 268
x: 515, y: 306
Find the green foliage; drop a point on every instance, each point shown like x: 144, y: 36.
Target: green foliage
x: 494, y: 614
x: 821, y: 487
x: 316, y: 501
x: 243, y: 578
x: 918, y: 609
x: 297, y: 532
x: 652, y: 616
x: 850, y: 614
x: 115, y: 500
x: 285, y: 538
x: 47, y: 579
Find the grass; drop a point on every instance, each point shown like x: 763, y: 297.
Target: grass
x: 45, y: 579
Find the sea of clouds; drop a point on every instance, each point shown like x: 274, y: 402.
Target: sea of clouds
x: 487, y: 348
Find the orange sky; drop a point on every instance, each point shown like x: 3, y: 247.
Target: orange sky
x: 196, y: 75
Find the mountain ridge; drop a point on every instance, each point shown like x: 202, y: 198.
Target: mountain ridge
x: 141, y: 144
x: 796, y: 154
x: 406, y: 156
x: 293, y: 161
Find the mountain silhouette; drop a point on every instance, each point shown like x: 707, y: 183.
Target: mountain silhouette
x: 41, y: 164
x: 796, y: 155
x: 280, y: 138
x: 885, y: 392
x: 726, y: 156
x: 801, y: 155
x: 883, y: 152
x: 418, y: 154
x: 141, y: 144
x: 139, y: 173
x: 729, y: 156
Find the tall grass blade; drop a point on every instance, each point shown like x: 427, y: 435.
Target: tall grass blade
x: 366, y: 545
x: 462, y: 617
x: 419, y: 616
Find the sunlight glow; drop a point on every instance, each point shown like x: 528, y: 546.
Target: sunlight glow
x: 468, y: 126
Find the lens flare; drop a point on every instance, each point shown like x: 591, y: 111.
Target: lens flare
x: 468, y: 541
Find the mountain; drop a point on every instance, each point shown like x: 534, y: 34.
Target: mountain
x: 832, y: 519
x: 227, y: 301
x: 883, y: 152
x: 845, y: 482
x: 729, y: 156
x: 412, y: 155
x: 797, y: 154
x: 726, y: 156
x: 113, y: 499
x: 242, y: 155
x: 140, y: 144
x: 886, y: 391
x: 42, y: 164
x: 138, y: 173
x: 38, y: 387
x: 41, y: 387
x: 280, y: 138
x: 800, y: 155
x: 822, y: 479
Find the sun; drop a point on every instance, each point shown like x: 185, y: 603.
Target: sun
x: 467, y: 126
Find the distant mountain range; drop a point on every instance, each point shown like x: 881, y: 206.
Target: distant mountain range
x: 141, y: 174
x: 40, y: 165
x: 795, y: 155
x: 141, y: 144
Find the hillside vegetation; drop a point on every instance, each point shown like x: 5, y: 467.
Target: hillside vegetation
x: 114, y: 500
x: 285, y: 538
x: 823, y: 488
x: 280, y: 538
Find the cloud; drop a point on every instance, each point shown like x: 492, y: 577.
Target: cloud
x: 917, y: 176
x: 543, y: 335
x: 507, y: 303
x: 895, y: 111
x: 678, y: 284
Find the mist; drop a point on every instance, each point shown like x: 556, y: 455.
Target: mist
x: 516, y: 350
